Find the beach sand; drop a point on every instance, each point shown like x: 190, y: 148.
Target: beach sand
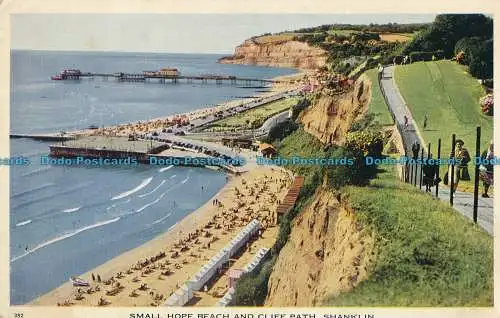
x: 257, y: 197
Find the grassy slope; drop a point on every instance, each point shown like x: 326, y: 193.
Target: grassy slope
x: 428, y: 255
x: 378, y: 107
x: 450, y: 97
x: 259, y: 114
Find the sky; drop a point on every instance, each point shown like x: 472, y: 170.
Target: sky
x: 172, y: 33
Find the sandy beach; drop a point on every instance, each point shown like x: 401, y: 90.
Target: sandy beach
x: 149, y: 274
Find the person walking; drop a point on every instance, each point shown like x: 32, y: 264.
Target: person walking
x: 462, y: 155
x: 486, y: 170
x: 429, y: 177
x: 415, y: 148
x: 425, y: 120
x: 380, y: 71
x: 406, y: 122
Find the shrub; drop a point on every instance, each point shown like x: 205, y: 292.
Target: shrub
x: 280, y: 131
x: 370, y: 143
x: 425, y: 56
x: 251, y: 288
x: 486, y: 103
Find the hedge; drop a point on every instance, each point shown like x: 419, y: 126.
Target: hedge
x: 425, y: 56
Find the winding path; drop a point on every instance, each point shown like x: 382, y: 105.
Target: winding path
x: 463, y: 201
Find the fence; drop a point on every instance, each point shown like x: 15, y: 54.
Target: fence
x: 413, y: 172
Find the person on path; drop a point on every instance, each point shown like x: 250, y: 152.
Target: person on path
x: 462, y: 155
x: 486, y: 170
x: 429, y: 176
x: 425, y: 120
x: 406, y: 122
x: 415, y: 148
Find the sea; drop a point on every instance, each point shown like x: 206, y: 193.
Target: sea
x: 66, y: 220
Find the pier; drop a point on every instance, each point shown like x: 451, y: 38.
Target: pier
x: 44, y: 137
x: 164, y: 78
x: 96, y: 147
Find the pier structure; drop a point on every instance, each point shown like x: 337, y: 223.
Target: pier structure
x: 164, y: 78
x: 121, y: 148
x: 44, y: 137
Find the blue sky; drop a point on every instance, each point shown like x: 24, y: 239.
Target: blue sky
x: 174, y: 33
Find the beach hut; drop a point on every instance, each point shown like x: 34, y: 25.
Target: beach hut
x: 233, y: 276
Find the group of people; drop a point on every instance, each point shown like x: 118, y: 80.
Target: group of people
x: 406, y: 121
x: 430, y: 171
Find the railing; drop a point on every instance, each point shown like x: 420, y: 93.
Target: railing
x: 414, y: 174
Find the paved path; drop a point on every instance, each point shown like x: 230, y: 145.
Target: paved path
x: 463, y: 201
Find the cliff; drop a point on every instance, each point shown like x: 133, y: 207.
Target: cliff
x: 277, y: 51
x: 328, y: 252
x: 331, y: 115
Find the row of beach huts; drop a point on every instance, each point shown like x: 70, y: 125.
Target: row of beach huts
x: 185, y: 293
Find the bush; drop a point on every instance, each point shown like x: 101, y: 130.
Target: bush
x: 488, y: 83
x: 425, y: 56
x: 299, y: 107
x: 251, y: 288
x: 280, y: 131
x: 370, y: 143
x: 487, y: 104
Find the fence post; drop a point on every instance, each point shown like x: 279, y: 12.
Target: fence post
x: 476, y: 180
x: 452, y: 177
x: 410, y: 179
x: 421, y: 167
x: 415, y: 172
x: 437, y: 172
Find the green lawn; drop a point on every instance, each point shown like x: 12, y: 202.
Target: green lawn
x: 450, y: 97
x: 377, y: 106
x: 426, y: 253
x: 255, y: 116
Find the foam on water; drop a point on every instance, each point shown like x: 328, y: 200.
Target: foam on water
x: 36, y: 171
x: 122, y: 195
x: 162, y: 219
x: 23, y: 223
x: 41, y: 187
x: 166, y: 168
x: 72, y: 210
x: 152, y: 191
x: 65, y: 236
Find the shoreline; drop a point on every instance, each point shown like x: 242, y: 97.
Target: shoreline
x: 163, y: 242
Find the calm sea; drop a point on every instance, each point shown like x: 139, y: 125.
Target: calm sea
x: 65, y: 221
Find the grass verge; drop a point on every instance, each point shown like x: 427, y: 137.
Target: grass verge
x: 427, y: 254
x: 450, y: 97
x: 377, y: 106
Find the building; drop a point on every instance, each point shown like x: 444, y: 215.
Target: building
x: 236, y: 142
x: 267, y: 150
x: 169, y: 72
x: 234, y: 275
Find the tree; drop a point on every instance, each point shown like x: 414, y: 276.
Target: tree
x: 448, y: 29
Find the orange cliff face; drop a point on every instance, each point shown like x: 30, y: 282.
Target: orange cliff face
x: 331, y: 115
x: 328, y: 252
x: 277, y: 51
